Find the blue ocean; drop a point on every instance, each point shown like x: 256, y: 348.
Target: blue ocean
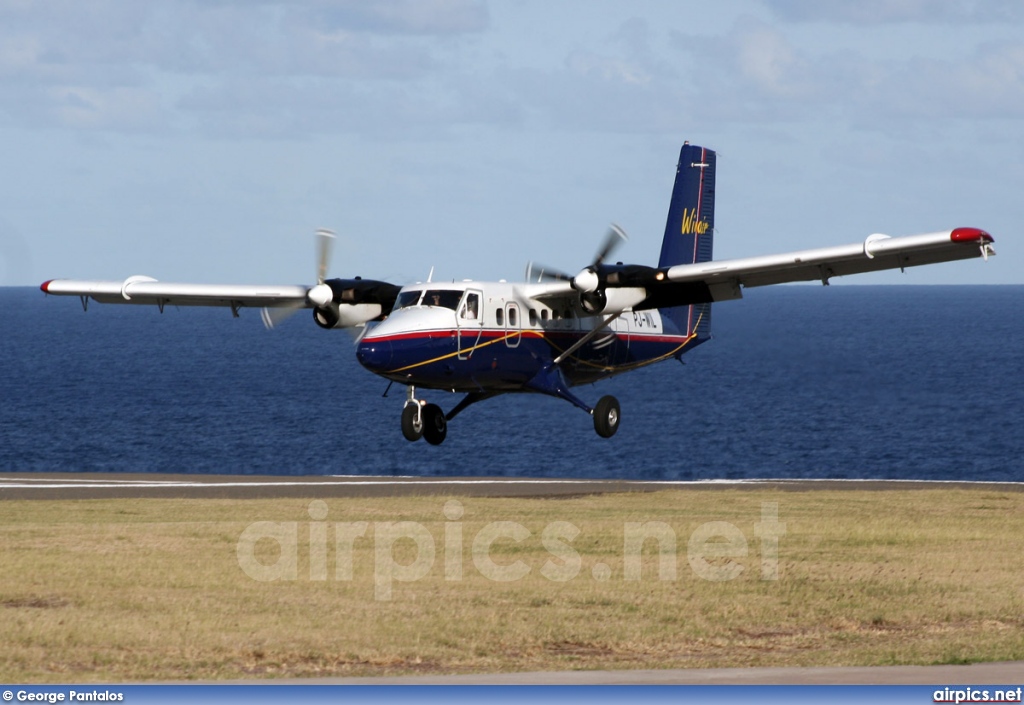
x: 896, y: 382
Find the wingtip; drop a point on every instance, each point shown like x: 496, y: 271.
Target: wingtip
x: 970, y: 235
x: 45, y: 286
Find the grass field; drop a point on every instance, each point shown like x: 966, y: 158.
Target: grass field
x: 120, y: 590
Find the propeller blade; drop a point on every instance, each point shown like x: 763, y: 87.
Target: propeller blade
x: 587, y: 280
x: 325, y: 240
x: 612, y: 239
x: 359, y: 338
x: 536, y: 272
x: 273, y: 317
x: 319, y: 295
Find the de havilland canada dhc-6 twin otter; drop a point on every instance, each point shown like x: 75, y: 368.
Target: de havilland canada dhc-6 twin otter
x: 553, y: 331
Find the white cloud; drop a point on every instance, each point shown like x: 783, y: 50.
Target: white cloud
x: 644, y: 81
x: 434, y: 17
x: 878, y: 12
x: 110, y: 65
x: 761, y: 72
x: 121, y: 108
x: 769, y: 63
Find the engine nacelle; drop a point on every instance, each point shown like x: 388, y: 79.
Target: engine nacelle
x: 354, y: 302
x: 346, y: 315
x: 612, y: 299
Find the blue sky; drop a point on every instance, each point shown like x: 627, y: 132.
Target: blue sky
x: 206, y: 140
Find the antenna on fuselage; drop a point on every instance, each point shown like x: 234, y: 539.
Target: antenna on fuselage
x: 430, y: 277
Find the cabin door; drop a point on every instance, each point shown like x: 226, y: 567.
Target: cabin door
x: 469, y: 320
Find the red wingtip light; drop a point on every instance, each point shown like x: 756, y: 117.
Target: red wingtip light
x: 970, y: 235
x: 46, y: 286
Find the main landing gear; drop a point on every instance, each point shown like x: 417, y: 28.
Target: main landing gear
x: 606, y: 416
x: 428, y: 421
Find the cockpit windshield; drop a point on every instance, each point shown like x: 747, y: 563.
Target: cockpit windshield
x: 448, y: 298
x: 407, y: 298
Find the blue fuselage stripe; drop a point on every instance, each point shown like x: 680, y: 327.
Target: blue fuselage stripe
x: 501, y: 360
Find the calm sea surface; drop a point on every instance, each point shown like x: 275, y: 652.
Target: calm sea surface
x: 799, y: 382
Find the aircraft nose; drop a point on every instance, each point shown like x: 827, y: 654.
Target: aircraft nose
x: 374, y: 355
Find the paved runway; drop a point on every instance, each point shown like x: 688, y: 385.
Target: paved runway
x: 105, y: 486
x: 1004, y: 674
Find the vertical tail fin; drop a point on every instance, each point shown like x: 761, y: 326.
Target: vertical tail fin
x: 689, y: 231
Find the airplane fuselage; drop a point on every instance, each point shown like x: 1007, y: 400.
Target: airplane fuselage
x: 486, y: 336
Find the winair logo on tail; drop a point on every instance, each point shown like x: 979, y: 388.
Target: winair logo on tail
x: 692, y: 226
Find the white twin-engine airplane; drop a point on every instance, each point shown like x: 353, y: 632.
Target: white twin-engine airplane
x: 553, y: 331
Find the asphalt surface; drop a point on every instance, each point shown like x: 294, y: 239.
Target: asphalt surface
x: 62, y: 486
x: 1003, y: 674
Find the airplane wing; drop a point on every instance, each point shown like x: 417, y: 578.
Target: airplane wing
x: 145, y: 290
x: 876, y: 253
x: 603, y: 288
x: 337, y: 303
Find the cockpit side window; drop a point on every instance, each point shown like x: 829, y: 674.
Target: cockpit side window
x: 447, y: 298
x: 471, y: 309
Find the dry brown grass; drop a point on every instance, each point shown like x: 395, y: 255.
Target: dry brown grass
x: 115, y: 590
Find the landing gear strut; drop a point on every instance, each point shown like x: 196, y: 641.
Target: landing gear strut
x: 412, y: 416
x: 428, y: 421
x: 550, y: 380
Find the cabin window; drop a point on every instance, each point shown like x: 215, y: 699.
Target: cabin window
x: 512, y: 318
x: 533, y: 317
x: 500, y: 315
x: 544, y: 315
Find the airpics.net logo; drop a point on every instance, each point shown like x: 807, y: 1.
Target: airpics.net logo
x: 715, y: 551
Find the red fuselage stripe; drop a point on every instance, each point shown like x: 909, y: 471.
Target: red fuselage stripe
x: 439, y: 333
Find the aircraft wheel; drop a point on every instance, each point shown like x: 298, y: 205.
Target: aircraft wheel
x: 606, y: 416
x: 435, y: 426
x: 412, y: 427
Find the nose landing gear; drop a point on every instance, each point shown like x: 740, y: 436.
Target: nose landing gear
x: 435, y: 425
x: 422, y: 420
x: 412, y: 422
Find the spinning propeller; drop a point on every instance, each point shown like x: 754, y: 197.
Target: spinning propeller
x: 589, y: 281
x: 319, y: 295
